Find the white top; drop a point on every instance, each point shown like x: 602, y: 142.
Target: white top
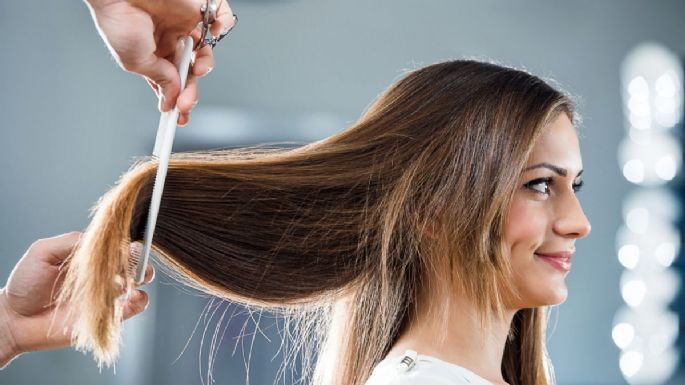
x: 420, y: 369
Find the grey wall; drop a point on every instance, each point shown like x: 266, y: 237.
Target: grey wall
x: 71, y: 122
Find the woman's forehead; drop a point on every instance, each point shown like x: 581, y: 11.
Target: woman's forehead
x: 558, y: 145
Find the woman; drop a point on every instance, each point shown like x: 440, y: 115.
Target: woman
x: 422, y: 227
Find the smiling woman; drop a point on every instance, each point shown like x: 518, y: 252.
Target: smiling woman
x: 415, y: 228
x: 545, y: 217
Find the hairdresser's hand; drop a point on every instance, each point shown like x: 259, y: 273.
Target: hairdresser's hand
x: 27, y: 300
x: 142, y: 36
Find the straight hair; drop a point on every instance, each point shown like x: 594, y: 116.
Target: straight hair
x: 344, y: 236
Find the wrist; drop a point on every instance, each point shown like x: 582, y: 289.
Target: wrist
x: 9, y: 349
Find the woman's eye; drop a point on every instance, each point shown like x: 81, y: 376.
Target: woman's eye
x: 542, y: 185
x: 578, y: 186
x: 535, y: 184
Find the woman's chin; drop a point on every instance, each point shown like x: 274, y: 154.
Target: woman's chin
x: 553, y: 293
x: 556, y: 294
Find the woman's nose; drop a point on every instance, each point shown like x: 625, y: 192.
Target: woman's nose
x: 572, y: 221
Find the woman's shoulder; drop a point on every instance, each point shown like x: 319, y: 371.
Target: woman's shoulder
x: 418, y: 369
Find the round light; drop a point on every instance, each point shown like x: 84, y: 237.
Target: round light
x: 665, y: 85
x: 666, y: 167
x: 629, y: 256
x: 637, y: 220
x: 638, y: 87
x: 633, y: 292
x: 634, y: 171
x: 665, y: 254
x: 623, y: 334
x: 630, y: 363
x: 667, y: 99
x: 638, y: 105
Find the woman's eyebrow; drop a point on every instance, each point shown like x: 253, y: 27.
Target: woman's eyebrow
x: 557, y: 169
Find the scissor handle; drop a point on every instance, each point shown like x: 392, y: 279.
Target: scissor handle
x: 209, y: 13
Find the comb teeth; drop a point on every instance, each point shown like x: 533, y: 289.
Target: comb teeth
x: 134, y: 251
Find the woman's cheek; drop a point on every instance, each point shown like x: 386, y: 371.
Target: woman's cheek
x: 525, y: 225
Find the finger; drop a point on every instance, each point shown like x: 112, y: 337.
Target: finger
x: 183, y: 119
x: 189, y: 96
x: 163, y: 73
x: 224, y: 20
x: 196, y: 34
x: 204, y: 61
x: 135, y: 304
x: 149, y: 275
x: 56, y: 249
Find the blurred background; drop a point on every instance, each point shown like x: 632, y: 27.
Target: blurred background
x: 300, y: 70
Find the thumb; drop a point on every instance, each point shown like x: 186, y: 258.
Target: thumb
x: 163, y: 73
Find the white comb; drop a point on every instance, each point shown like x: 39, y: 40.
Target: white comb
x: 162, y: 150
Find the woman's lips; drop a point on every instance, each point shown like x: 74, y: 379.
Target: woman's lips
x: 560, y: 263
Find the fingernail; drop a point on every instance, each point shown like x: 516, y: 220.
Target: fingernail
x: 209, y: 70
x: 195, y: 103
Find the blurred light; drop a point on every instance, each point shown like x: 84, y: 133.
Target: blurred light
x: 640, y: 123
x: 665, y: 86
x: 661, y: 286
x: 649, y: 158
x: 638, y: 103
x: 630, y: 363
x: 652, y: 76
x: 634, y: 171
x: 640, y: 137
x: 665, y: 167
x: 639, y: 106
x: 652, y: 367
x: 649, y: 241
x: 661, y: 203
x: 637, y: 220
x: 649, y: 251
x: 665, y: 254
x: 634, y: 292
x: 629, y: 255
x: 666, y: 99
x: 651, y: 290
x: 638, y: 88
x: 623, y: 334
x: 659, y: 342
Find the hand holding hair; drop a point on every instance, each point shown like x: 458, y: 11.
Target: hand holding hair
x: 27, y: 300
x: 142, y: 37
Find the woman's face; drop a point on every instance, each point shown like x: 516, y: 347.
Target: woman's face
x: 545, y: 216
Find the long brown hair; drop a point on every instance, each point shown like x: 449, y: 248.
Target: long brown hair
x: 333, y: 234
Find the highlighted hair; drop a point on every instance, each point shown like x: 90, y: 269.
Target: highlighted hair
x: 346, y: 235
